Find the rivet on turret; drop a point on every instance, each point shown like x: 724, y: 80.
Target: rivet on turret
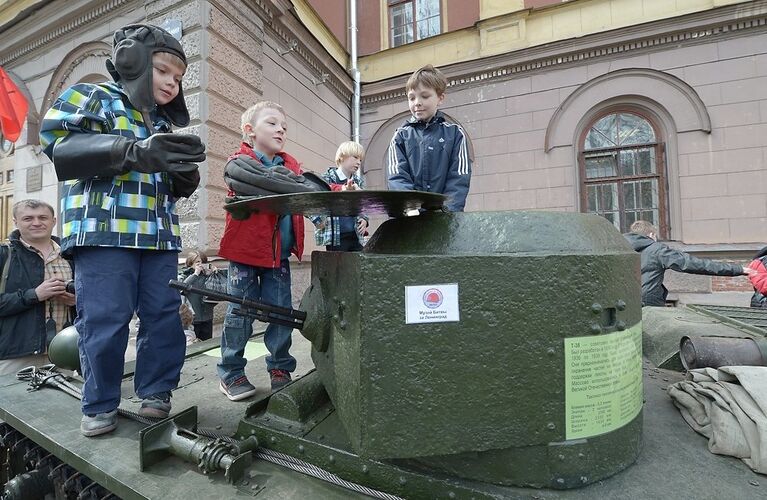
x: 402, y: 480
x: 584, y: 479
x: 620, y: 304
x: 332, y: 459
x: 343, y: 324
x: 560, y: 480
x: 273, y: 439
x: 550, y: 351
x: 550, y: 426
x: 365, y: 469
x: 620, y: 325
x: 561, y: 458
x: 596, y: 308
x: 595, y: 328
x: 451, y: 494
x: 300, y: 448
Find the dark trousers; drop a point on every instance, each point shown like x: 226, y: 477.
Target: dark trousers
x: 110, y: 284
x: 349, y: 243
x: 203, y: 330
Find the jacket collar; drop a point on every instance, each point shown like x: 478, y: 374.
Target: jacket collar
x: 438, y: 117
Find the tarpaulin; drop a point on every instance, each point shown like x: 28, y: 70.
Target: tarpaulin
x: 13, y: 108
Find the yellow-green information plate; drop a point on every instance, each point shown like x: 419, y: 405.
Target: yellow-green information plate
x: 603, y: 382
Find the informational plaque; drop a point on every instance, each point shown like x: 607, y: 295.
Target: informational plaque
x: 34, y: 178
x: 603, y: 382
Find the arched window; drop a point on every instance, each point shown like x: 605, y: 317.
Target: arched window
x: 622, y: 170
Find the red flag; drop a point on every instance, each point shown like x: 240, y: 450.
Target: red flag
x: 13, y: 108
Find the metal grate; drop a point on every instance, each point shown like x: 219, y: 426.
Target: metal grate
x: 753, y: 317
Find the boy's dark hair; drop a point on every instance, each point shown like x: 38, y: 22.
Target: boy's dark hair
x: 428, y: 76
x: 131, y: 65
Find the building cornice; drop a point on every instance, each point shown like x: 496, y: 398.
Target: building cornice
x: 31, y: 40
x: 702, y: 27
x: 283, y: 22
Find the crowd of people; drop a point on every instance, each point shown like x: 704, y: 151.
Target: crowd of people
x: 123, y: 169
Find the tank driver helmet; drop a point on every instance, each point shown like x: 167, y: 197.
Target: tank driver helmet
x: 131, y: 66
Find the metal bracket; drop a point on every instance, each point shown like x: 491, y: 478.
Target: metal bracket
x: 292, y: 45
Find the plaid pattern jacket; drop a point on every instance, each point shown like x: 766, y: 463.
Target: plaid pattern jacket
x: 330, y: 234
x: 133, y: 210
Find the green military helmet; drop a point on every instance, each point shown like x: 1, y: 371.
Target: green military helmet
x: 63, y: 351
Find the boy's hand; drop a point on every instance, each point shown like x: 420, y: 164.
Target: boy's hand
x: 165, y: 153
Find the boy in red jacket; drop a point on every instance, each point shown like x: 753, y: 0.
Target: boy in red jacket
x: 258, y: 249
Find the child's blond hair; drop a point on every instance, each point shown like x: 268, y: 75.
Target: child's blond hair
x: 251, y: 115
x: 168, y: 58
x: 429, y: 77
x: 347, y: 149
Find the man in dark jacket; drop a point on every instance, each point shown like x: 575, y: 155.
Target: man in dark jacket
x: 656, y: 258
x: 34, y: 303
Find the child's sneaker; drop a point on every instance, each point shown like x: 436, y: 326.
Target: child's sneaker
x: 100, y: 423
x: 156, y: 405
x: 280, y: 378
x: 238, y: 389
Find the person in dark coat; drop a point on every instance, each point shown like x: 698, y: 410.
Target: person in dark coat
x: 34, y: 303
x: 196, y: 273
x: 657, y: 257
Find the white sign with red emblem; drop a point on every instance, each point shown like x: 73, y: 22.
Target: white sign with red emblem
x: 431, y: 303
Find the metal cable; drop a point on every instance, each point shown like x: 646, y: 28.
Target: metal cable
x: 298, y: 465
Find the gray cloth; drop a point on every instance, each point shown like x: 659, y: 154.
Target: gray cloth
x: 656, y: 258
x: 729, y: 406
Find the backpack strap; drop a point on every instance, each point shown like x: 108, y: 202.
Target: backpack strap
x: 6, y: 266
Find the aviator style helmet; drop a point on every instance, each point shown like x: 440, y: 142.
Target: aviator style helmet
x: 131, y: 66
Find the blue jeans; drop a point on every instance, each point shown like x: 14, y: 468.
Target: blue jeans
x: 261, y: 284
x: 110, y: 284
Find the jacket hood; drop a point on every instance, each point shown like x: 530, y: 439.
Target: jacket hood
x: 638, y: 241
x: 131, y: 65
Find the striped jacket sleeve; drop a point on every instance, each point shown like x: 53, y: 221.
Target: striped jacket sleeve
x: 77, y: 110
x: 459, y: 173
x: 398, y: 167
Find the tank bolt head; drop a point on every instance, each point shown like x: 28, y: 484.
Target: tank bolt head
x: 451, y: 494
x: 620, y: 304
x: 596, y: 308
x: 550, y: 426
x: 365, y: 469
x: 343, y: 324
x: 331, y: 459
x: 561, y: 458
x: 550, y: 351
x: 402, y: 480
x: 273, y: 439
x: 300, y: 448
x: 596, y: 329
x: 620, y: 325
x: 560, y: 480
x: 584, y: 479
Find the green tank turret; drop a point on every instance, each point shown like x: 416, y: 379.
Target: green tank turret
x: 460, y: 355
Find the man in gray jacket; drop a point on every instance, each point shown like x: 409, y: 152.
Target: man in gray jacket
x: 656, y: 257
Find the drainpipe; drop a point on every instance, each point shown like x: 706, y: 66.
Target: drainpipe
x: 354, y: 71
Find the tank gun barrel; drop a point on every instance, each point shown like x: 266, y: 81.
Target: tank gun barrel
x: 268, y: 313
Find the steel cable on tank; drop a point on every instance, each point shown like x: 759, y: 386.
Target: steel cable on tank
x: 308, y: 469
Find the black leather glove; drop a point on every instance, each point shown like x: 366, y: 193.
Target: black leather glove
x: 79, y: 156
x: 183, y: 184
x: 247, y: 177
x: 164, y: 153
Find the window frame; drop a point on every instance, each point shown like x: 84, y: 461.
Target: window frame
x: 660, y: 165
x: 390, y: 4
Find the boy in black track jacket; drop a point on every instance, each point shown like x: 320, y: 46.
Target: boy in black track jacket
x: 427, y: 153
